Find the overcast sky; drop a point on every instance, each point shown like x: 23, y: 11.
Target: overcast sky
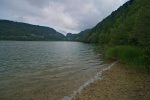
x: 63, y: 15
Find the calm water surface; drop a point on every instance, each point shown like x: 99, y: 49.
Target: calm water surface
x: 45, y: 70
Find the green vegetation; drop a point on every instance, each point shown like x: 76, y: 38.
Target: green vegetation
x: 10, y: 30
x: 130, y: 55
x: 125, y: 34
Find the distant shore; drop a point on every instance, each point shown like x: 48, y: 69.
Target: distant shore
x: 119, y: 83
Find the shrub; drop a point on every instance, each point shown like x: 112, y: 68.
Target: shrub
x: 131, y: 55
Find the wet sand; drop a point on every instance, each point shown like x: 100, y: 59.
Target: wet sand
x: 119, y: 83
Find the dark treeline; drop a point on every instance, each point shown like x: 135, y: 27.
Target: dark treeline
x: 130, y: 24
x: 10, y: 30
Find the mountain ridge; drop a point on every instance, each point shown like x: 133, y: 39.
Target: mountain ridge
x: 124, y: 26
x: 11, y: 30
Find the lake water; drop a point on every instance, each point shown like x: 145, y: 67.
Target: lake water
x: 45, y: 70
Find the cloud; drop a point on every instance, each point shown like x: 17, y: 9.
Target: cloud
x: 63, y: 15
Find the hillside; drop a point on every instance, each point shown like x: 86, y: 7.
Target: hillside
x: 127, y: 25
x: 10, y: 30
x: 77, y: 37
x: 125, y: 34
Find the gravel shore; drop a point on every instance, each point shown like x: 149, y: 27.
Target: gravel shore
x: 119, y: 83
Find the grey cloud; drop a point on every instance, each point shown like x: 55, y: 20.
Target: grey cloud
x: 63, y: 15
x: 39, y: 3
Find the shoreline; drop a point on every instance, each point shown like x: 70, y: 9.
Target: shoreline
x: 98, y: 76
x: 118, y: 83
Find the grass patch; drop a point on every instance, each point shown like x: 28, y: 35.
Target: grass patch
x: 130, y: 55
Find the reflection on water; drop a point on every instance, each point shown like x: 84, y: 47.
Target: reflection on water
x: 44, y: 70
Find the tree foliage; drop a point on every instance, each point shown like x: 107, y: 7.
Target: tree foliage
x: 129, y: 26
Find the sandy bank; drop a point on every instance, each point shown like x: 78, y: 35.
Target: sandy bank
x: 119, y: 83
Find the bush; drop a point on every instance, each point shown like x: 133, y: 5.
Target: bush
x: 127, y: 54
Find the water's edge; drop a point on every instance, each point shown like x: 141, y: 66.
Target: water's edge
x: 98, y: 76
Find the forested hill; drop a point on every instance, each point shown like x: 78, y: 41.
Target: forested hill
x: 130, y: 24
x: 77, y: 37
x: 10, y: 30
x: 125, y: 34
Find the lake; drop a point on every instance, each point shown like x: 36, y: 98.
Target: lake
x: 45, y: 70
